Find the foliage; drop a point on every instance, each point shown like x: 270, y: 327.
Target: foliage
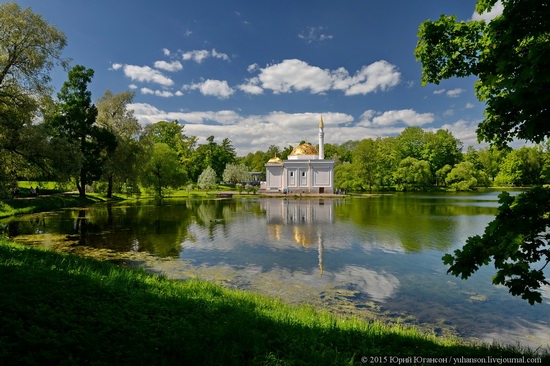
x: 29, y: 49
x: 163, y: 170
x: 522, y: 167
x: 462, y: 177
x: 74, y: 121
x: 412, y: 174
x: 510, y: 56
x: 121, y: 165
x: 515, y: 241
x: 171, y: 134
x: 234, y: 173
x: 207, y: 179
x: 212, y: 155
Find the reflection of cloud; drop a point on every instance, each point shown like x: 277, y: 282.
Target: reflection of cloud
x: 528, y: 334
x: 379, y: 286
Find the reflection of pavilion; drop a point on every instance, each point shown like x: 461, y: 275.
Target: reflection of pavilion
x: 302, y: 220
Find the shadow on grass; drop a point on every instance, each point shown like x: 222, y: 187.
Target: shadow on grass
x: 60, y: 309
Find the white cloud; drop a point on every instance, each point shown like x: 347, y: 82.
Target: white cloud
x: 251, y: 87
x: 158, y: 93
x: 250, y: 133
x: 408, y: 117
x: 380, y: 75
x: 200, y: 55
x: 464, y: 131
x: 497, y: 9
x: 469, y: 106
x: 166, y: 51
x: 315, y: 34
x: 448, y: 112
x: 297, y: 75
x: 454, y: 93
x: 216, y: 88
x: 145, y: 74
x: 116, y: 66
x: 439, y: 91
x: 169, y: 66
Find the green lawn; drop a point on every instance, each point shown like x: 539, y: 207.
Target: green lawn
x: 62, y: 309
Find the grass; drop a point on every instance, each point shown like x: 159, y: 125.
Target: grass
x: 62, y: 309
x: 53, y: 202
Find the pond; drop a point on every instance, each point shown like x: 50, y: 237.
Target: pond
x: 377, y: 257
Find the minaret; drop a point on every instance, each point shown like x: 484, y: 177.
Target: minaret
x: 321, y: 139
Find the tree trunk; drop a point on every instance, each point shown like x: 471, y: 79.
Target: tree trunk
x: 110, y: 186
x: 82, y: 185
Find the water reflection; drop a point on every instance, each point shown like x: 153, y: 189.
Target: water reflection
x: 384, y: 250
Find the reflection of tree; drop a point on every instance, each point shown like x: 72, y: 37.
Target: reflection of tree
x: 416, y: 221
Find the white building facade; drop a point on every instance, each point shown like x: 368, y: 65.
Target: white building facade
x: 305, y: 171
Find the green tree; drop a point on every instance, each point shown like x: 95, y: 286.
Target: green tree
x: 365, y: 160
x: 462, y: 177
x: 212, y: 155
x: 163, y: 170
x: 410, y: 143
x: 522, y: 167
x: 235, y: 173
x: 387, y: 161
x: 441, y: 148
x: 74, y: 121
x: 412, y: 174
x: 207, y: 179
x: 29, y: 49
x: 121, y: 166
x: 490, y: 159
x: 345, y: 177
x: 509, y: 56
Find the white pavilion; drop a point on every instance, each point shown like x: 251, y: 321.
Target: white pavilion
x: 305, y: 171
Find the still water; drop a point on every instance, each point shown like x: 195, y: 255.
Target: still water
x: 377, y: 257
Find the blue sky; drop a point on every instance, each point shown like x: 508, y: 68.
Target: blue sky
x: 262, y: 72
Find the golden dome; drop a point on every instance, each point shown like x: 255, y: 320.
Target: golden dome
x: 304, y: 149
x: 275, y: 160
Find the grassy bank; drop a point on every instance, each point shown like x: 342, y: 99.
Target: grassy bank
x: 63, y: 309
x: 53, y: 202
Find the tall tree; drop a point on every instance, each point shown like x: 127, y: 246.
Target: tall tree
x: 29, y: 49
x: 163, y: 170
x: 113, y: 115
x: 510, y: 56
x: 366, y: 161
x: 74, y: 121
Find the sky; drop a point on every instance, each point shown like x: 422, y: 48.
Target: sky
x: 262, y: 73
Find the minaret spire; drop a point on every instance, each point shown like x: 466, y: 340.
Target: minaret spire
x: 321, y: 139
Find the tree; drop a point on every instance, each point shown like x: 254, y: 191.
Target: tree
x: 462, y: 177
x: 412, y: 174
x: 441, y: 148
x: 163, y: 170
x: 74, y: 121
x: 114, y: 116
x: 490, y: 159
x: 29, y: 49
x: 235, y: 173
x: 522, y: 167
x: 207, y: 179
x: 212, y: 155
x: 510, y: 56
x: 365, y: 159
